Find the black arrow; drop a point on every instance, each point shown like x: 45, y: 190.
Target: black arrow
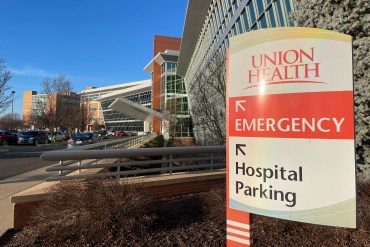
x: 238, y: 147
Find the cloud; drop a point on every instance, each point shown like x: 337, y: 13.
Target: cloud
x: 29, y: 71
x: 34, y: 72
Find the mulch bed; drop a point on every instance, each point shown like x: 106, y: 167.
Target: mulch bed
x: 183, y: 221
x: 180, y: 221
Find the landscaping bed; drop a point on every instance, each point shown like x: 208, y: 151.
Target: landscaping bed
x: 190, y: 220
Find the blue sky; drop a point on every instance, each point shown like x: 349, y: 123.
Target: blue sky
x: 92, y: 42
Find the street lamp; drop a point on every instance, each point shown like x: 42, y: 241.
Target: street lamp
x: 13, y: 92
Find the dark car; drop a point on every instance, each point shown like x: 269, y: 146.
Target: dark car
x: 82, y: 139
x: 33, y: 137
x: 8, y: 137
x: 103, y: 134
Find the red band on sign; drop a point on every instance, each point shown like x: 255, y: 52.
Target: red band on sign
x: 319, y: 115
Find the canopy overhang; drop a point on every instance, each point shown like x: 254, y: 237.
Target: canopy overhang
x: 195, y: 16
x: 135, y: 110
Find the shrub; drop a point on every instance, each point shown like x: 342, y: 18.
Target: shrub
x: 158, y: 141
x: 87, y: 211
x: 215, y: 204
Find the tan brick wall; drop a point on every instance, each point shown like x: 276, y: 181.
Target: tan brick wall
x: 27, y: 104
x: 165, y: 191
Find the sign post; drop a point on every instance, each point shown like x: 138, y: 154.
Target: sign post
x: 290, y: 125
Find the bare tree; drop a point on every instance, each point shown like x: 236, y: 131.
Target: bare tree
x: 70, y: 119
x: 207, y: 96
x: 52, y: 107
x: 169, y: 118
x: 6, y: 97
x: 83, y: 116
x: 11, y: 121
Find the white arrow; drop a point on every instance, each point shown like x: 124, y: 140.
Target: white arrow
x: 239, y: 105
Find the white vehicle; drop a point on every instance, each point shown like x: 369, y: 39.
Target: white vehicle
x: 55, y: 137
x: 111, y: 133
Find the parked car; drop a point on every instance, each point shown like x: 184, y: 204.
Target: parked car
x: 8, y: 137
x: 55, y: 137
x: 121, y: 133
x: 66, y: 135
x: 34, y: 137
x: 103, y: 134
x: 82, y: 139
x: 111, y: 133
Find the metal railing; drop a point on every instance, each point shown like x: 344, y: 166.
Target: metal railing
x: 134, y: 162
x: 127, y: 142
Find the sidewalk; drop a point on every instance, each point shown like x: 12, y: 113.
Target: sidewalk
x: 14, y: 185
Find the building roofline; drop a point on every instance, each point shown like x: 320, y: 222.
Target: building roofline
x: 159, y: 59
x: 195, y: 14
x: 127, y: 91
x: 115, y: 87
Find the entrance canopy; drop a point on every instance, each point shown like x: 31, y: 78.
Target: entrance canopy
x: 135, y: 110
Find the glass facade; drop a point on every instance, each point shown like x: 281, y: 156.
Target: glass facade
x: 224, y: 19
x: 116, y: 121
x: 227, y: 18
x: 38, y: 104
x: 138, y: 92
x: 92, y: 97
x: 174, y: 102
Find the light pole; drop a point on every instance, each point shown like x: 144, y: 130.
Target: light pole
x: 13, y: 92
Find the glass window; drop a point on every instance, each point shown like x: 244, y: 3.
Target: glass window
x: 235, y: 5
x: 262, y: 22
x: 254, y: 27
x: 271, y: 16
x: 217, y: 20
x: 227, y: 42
x: 221, y: 11
x: 268, y: 2
x: 239, y: 25
x: 280, y: 13
x: 260, y: 7
x: 245, y: 20
x: 171, y: 67
x: 233, y: 30
x: 289, y: 9
x: 251, y: 12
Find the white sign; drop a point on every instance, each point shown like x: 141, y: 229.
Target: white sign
x: 291, y: 125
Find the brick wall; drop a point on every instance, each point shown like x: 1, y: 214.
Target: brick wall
x: 165, y: 191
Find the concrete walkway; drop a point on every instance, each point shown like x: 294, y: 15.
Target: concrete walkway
x: 14, y: 185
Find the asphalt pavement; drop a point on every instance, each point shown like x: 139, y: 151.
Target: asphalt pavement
x: 14, y: 185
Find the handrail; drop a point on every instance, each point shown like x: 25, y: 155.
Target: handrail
x: 169, y: 159
x: 119, y: 143
x: 119, y: 153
